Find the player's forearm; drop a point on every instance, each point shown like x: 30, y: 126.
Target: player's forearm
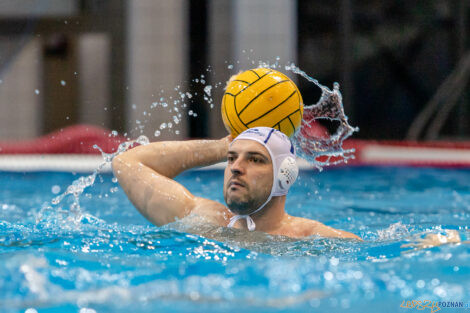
x: 169, y: 158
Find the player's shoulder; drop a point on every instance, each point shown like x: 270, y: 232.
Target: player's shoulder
x: 305, y: 227
x: 308, y: 227
x: 212, y: 210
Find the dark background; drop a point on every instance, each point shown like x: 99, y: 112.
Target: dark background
x: 390, y: 57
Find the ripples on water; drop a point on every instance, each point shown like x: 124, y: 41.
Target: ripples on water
x: 105, y: 257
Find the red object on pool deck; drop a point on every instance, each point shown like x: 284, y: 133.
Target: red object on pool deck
x: 80, y: 139
x: 410, y: 153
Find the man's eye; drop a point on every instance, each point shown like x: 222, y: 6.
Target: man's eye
x: 255, y: 160
x: 230, y: 159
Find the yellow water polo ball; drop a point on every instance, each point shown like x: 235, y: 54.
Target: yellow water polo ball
x: 262, y: 97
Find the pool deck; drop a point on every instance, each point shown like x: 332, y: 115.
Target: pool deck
x: 373, y: 153
x: 73, y: 149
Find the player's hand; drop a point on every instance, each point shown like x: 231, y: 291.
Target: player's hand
x: 433, y: 240
x: 228, y: 139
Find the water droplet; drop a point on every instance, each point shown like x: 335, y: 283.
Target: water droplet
x: 189, y: 95
x: 55, y: 189
x: 134, y: 106
x: 162, y: 125
x: 36, y: 91
x: 63, y: 83
x: 190, y: 112
x: 177, y: 132
x: 114, y: 189
x: 143, y: 140
x: 208, y: 89
x: 157, y: 133
x: 230, y: 66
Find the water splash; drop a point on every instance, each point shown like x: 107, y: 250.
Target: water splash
x: 319, y: 150
x: 394, y: 231
x: 78, y: 186
x: 313, y: 147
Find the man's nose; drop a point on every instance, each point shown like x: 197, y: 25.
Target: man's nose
x: 238, y: 166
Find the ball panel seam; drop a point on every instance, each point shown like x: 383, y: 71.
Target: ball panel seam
x: 260, y: 93
x: 264, y: 114
x: 255, y: 73
x: 257, y: 80
x: 289, y: 115
x: 241, y: 81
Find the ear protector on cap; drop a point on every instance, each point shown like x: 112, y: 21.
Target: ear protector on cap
x: 287, y: 174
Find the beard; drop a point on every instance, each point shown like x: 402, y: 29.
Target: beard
x: 243, y: 205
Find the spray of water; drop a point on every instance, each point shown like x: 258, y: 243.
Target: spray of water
x: 320, y: 151
x: 78, y: 186
x: 310, y: 146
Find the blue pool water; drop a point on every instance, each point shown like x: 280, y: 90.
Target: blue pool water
x: 104, y: 257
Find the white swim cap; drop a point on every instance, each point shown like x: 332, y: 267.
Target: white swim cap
x: 285, y: 168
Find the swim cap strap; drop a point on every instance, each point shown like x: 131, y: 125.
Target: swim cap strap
x: 249, y: 221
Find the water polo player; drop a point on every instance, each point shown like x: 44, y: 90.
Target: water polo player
x: 261, y: 168
x: 261, y: 163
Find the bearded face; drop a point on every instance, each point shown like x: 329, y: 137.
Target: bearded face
x: 248, y: 177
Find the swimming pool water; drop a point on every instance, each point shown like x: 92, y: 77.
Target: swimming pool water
x: 105, y: 257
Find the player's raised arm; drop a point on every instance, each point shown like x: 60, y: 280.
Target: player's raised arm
x: 145, y: 173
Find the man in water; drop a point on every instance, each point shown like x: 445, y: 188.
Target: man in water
x: 261, y: 168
